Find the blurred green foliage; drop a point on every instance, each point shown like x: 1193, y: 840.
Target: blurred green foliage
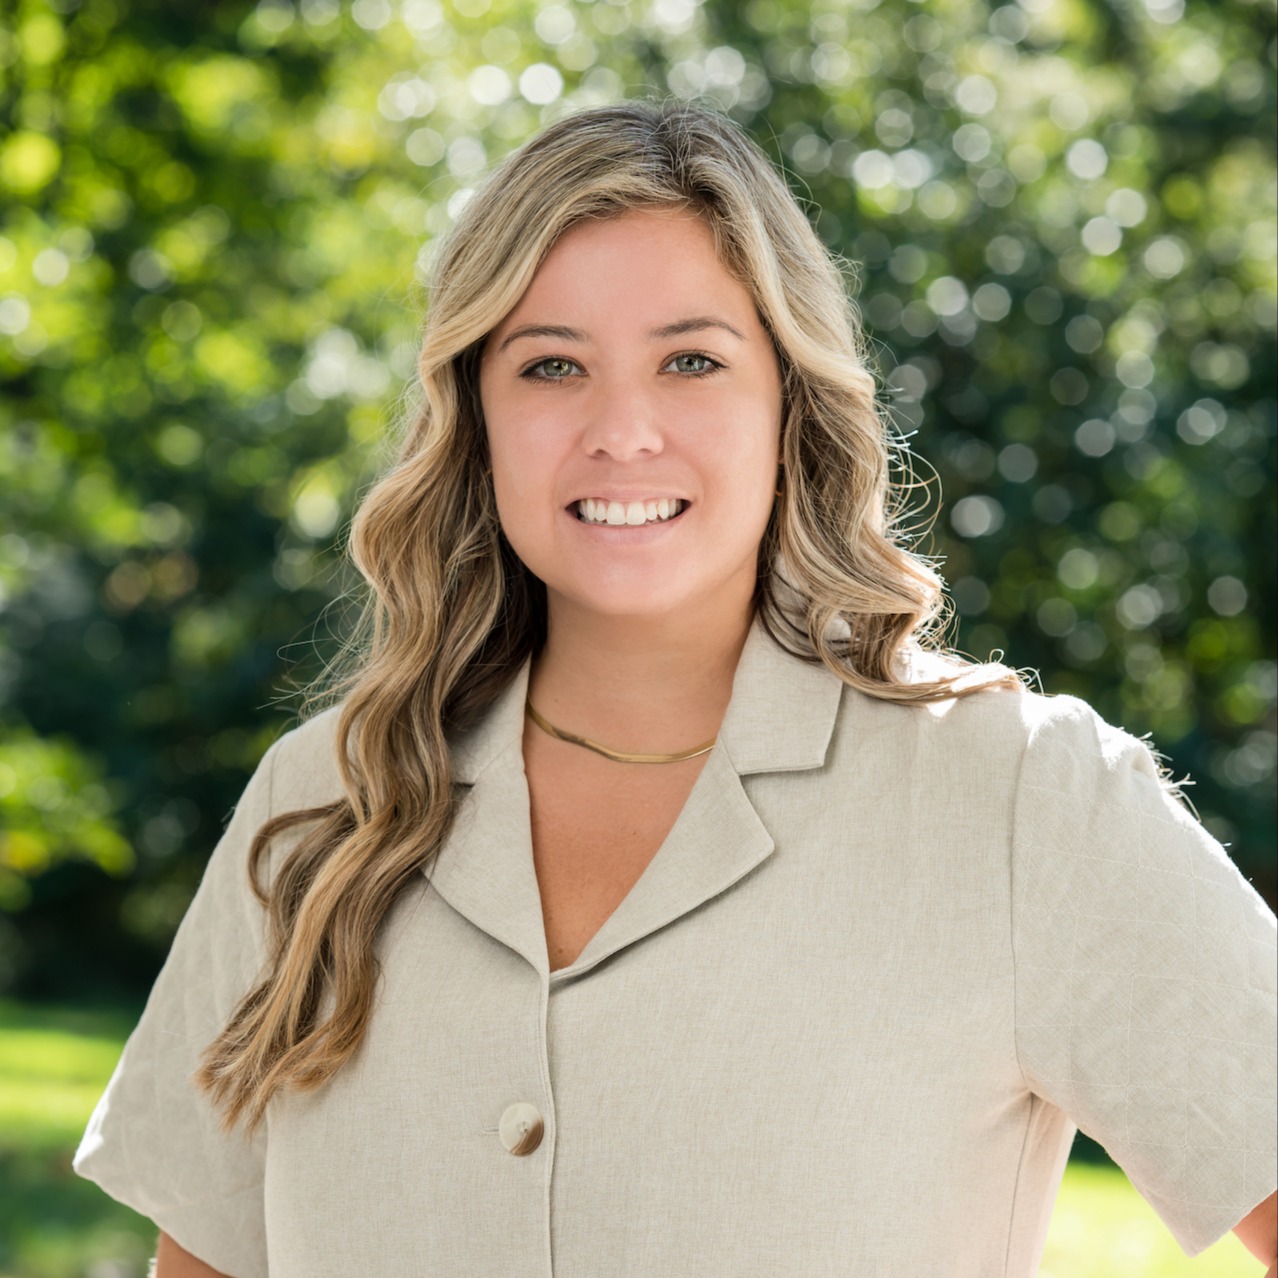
x: 215, y: 223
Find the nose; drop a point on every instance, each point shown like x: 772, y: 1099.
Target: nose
x: 622, y: 423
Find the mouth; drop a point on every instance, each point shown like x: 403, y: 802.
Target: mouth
x: 628, y: 514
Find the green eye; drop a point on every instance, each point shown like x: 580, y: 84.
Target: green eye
x: 693, y: 364
x: 552, y: 369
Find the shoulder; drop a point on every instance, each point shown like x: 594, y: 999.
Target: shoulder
x: 1014, y: 732
x: 301, y: 769
x: 1065, y: 737
x: 302, y: 764
x: 1040, y: 721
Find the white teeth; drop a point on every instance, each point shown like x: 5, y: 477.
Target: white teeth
x: 634, y: 513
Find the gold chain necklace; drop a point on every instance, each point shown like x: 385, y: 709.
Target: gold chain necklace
x: 617, y: 756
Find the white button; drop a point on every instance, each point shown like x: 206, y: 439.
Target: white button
x: 521, y: 1128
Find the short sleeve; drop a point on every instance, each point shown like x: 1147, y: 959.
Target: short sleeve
x: 154, y: 1140
x: 1145, y: 976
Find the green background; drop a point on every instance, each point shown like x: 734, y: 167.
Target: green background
x: 1057, y: 218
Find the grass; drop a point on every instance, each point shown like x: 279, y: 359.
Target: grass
x: 1102, y: 1228
x: 54, y: 1063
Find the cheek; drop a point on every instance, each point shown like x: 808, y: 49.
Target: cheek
x: 744, y: 442
x: 525, y: 465
x: 523, y: 520
x: 521, y: 497
x: 510, y: 437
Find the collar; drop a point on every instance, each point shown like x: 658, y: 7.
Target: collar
x: 779, y: 719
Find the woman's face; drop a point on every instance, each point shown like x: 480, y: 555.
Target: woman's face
x: 634, y: 372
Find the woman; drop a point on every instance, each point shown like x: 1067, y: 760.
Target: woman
x: 753, y: 937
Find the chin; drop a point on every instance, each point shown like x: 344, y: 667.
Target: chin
x: 651, y: 601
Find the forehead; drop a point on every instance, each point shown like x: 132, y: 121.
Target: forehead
x: 678, y: 229
x: 650, y: 260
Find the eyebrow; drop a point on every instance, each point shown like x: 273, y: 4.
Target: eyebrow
x: 694, y: 324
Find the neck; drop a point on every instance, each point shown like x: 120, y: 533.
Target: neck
x: 648, y: 685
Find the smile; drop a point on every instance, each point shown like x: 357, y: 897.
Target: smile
x: 592, y: 510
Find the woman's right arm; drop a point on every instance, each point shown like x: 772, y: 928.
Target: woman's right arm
x: 211, y: 1195
x: 171, y: 1261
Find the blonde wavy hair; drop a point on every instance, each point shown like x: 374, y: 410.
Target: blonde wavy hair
x: 452, y: 614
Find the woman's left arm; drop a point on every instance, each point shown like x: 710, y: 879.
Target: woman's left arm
x: 1136, y: 935
x: 1259, y: 1233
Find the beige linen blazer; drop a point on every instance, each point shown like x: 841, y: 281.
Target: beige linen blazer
x: 844, y: 1024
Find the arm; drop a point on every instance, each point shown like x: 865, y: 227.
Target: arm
x: 171, y: 1261
x: 1259, y: 1233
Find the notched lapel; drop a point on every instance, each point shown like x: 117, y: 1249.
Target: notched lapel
x: 783, y: 709
x: 717, y: 839
x: 780, y: 719
x: 485, y: 869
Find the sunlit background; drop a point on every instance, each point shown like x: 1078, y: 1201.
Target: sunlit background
x: 1057, y: 217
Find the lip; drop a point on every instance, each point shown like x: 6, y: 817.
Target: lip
x: 633, y: 495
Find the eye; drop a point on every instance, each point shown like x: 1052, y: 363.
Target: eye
x: 555, y: 368
x: 694, y: 364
